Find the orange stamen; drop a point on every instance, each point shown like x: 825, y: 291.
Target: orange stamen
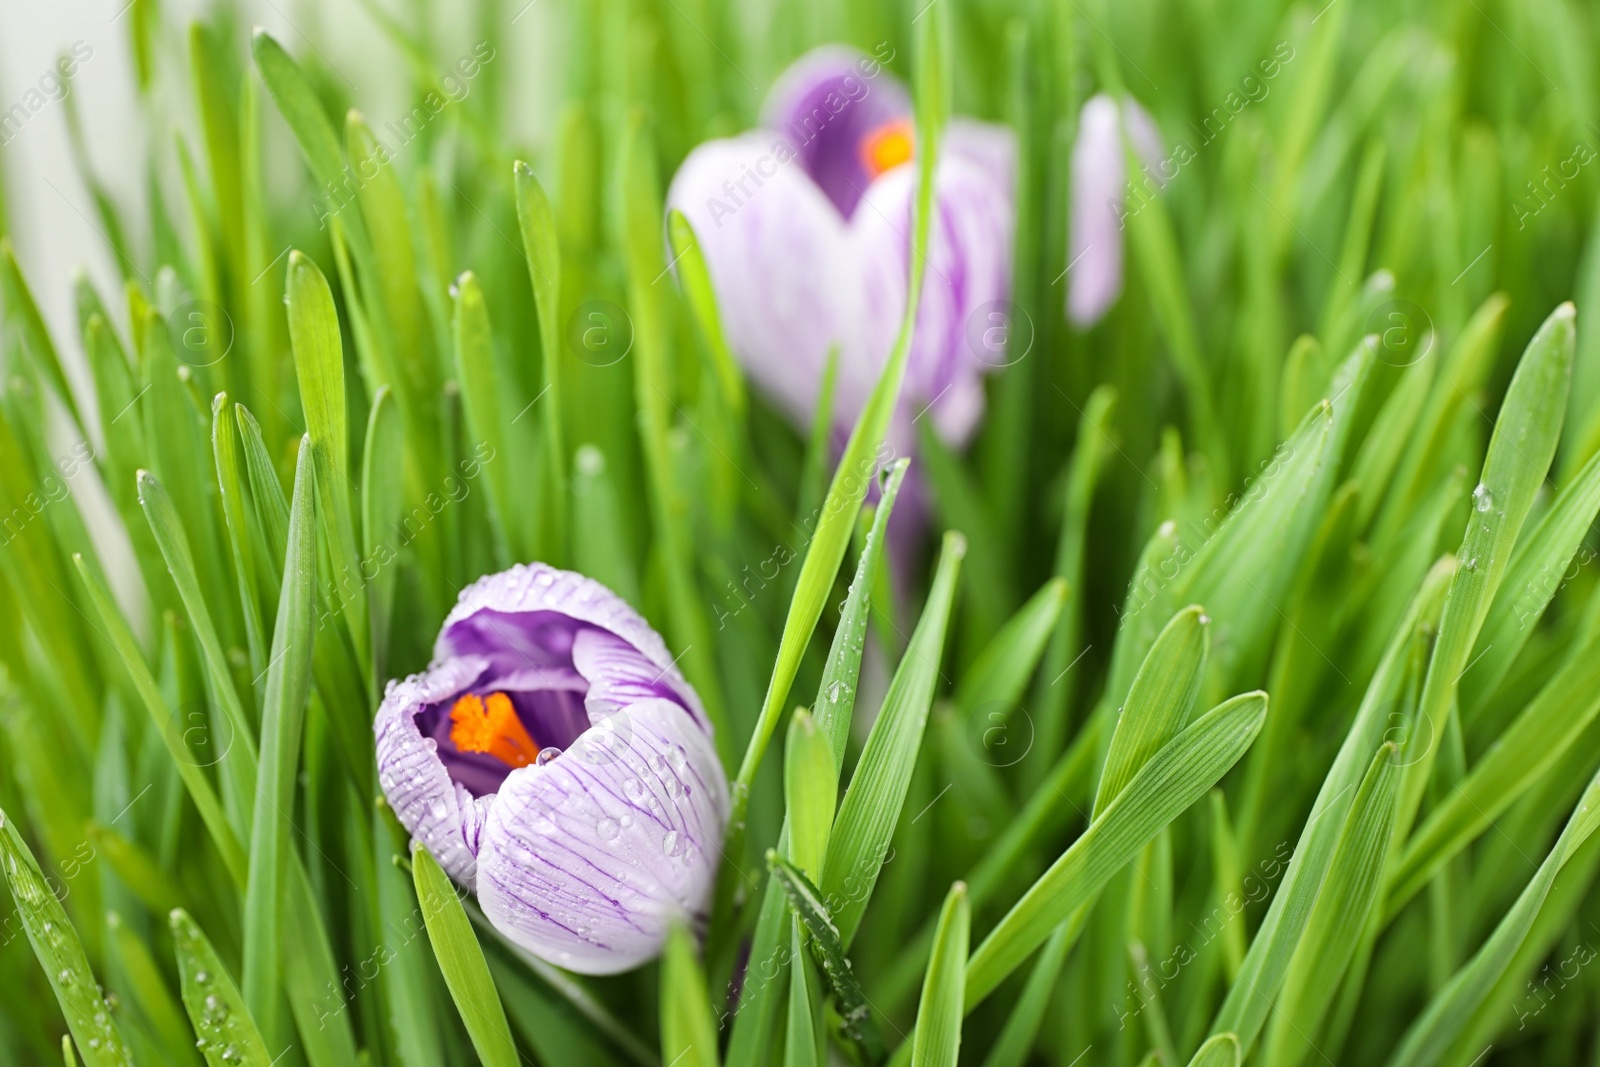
x: 888, y: 146
x: 491, y: 725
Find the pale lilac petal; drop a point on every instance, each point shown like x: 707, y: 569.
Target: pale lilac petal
x: 423, y: 796
x: 526, y: 618
x: 780, y: 260
x: 968, y: 275
x: 589, y: 859
x: 1099, y: 181
x: 619, y: 674
x: 825, y: 104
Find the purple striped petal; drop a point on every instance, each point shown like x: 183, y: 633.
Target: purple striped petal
x: 1099, y: 180
x: 794, y: 278
x: 588, y: 860
x: 586, y: 855
x: 826, y: 104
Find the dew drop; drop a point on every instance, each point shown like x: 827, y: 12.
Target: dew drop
x: 546, y: 755
x: 672, y: 844
x: 608, y: 829
x: 634, y: 789
x: 626, y: 821
x: 202, y: 977
x: 1482, y: 499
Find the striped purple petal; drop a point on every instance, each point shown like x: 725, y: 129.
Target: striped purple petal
x: 588, y: 860
x: 1099, y: 182
x: 826, y: 104
x: 795, y: 277
x: 565, y: 666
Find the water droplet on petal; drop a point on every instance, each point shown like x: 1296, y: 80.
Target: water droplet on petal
x: 672, y: 844
x: 608, y: 829
x: 546, y: 755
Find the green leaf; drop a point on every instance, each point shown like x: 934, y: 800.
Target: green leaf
x: 194, y: 779
x: 382, y: 500
x: 1343, y: 908
x: 1433, y: 1038
x: 936, y: 1042
x: 800, y: 1040
x: 230, y: 480
x: 410, y: 979
x: 696, y: 280
x: 1022, y: 1025
x: 298, y: 102
x: 319, y: 370
x: 810, y: 784
x: 1538, y: 570
x: 1175, y: 777
x: 654, y: 392
x: 480, y: 395
x: 1158, y: 703
x: 855, y: 1013
x: 228, y: 1035
x: 1525, y: 436
x: 147, y: 988
x: 23, y: 314
x: 539, y: 242
x: 836, y: 694
x: 1519, y: 757
x: 602, y: 552
x: 61, y: 955
x: 688, y: 1035
x: 288, y: 688
x: 462, y: 963
x: 1220, y: 1050
x: 1256, y: 986
x: 877, y: 790
x: 174, y: 544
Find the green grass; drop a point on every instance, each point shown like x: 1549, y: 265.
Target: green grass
x: 1303, y: 527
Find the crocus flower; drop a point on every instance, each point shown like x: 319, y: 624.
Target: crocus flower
x: 805, y: 224
x: 1099, y: 201
x: 554, y: 761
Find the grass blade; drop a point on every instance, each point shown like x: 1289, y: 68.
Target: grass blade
x: 288, y: 688
x: 60, y: 953
x: 462, y: 963
x: 543, y: 251
x: 1173, y: 779
x: 936, y: 1042
x: 812, y: 911
x: 1524, y: 441
x: 877, y: 790
x: 1342, y: 910
x: 810, y: 788
x: 688, y: 1036
x: 194, y: 779
x: 1433, y: 1037
x: 228, y: 1035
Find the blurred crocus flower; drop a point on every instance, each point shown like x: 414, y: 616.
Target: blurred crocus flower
x: 1099, y: 201
x: 553, y: 760
x: 805, y: 224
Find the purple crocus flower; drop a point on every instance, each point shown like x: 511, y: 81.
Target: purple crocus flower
x: 553, y: 760
x: 1099, y: 206
x: 805, y: 224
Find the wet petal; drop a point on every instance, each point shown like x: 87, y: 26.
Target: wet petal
x: 587, y: 860
x: 526, y: 618
x: 442, y: 815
